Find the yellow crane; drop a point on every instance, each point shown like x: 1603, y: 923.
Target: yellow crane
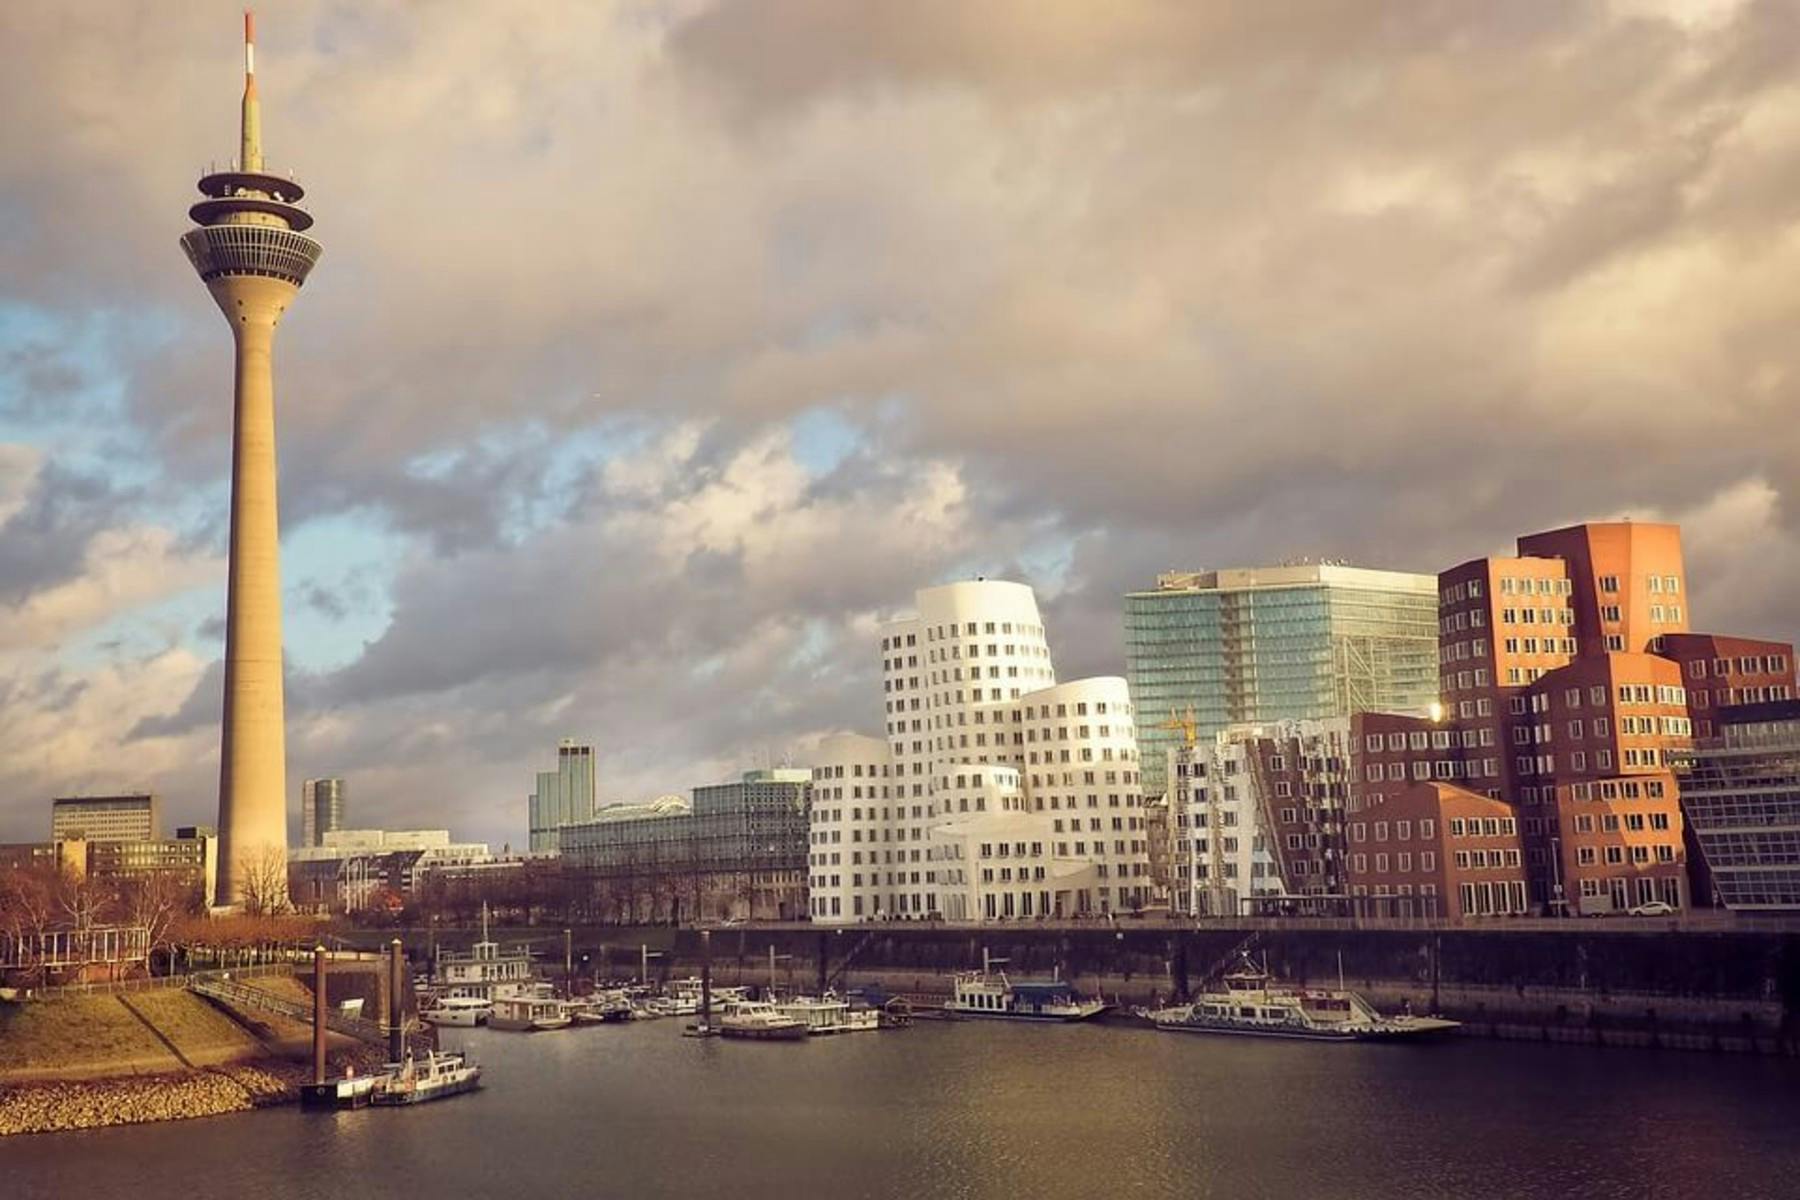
x: 1185, y: 724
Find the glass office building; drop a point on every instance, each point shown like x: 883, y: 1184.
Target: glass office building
x: 1740, y: 793
x: 1276, y: 643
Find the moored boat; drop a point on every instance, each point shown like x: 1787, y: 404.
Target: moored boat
x: 458, y: 1011
x: 827, y: 1014
x: 988, y: 993
x: 346, y: 1091
x: 531, y: 1008
x: 1248, y: 1002
x: 416, y: 1080
x: 759, y: 1020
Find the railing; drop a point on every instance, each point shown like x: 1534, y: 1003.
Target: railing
x: 112, y: 987
x: 217, y: 987
x: 1690, y: 922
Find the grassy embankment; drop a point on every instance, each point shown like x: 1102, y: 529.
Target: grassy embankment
x: 85, y: 1061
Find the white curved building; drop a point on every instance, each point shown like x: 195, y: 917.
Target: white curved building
x: 966, y: 770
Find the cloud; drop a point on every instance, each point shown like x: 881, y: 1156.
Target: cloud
x: 1091, y: 292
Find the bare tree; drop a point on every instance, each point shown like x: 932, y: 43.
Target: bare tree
x: 263, y: 889
x: 156, y: 902
x: 27, y: 911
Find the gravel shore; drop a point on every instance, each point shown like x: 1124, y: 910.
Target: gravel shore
x: 128, y: 1100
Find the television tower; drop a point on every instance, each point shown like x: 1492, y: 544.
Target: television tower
x: 253, y: 254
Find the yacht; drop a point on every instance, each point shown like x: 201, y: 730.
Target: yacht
x: 1250, y: 1003
x: 989, y: 993
x: 759, y: 1020
x: 828, y: 1014
x: 458, y: 1010
x: 437, y: 1075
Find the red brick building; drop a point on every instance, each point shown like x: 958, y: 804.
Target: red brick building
x: 1436, y: 850
x: 1569, y: 677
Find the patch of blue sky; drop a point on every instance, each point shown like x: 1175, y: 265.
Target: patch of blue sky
x: 824, y: 437
x: 85, y: 423
x: 548, y: 468
x: 349, y: 560
x: 147, y: 629
x: 565, y: 464
x: 1043, y: 562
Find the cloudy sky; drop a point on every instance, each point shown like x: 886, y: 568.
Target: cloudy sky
x: 659, y: 350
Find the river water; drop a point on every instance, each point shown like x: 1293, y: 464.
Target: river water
x: 966, y: 1109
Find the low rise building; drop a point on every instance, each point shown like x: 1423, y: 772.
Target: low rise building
x: 738, y: 850
x: 189, y: 862
x: 355, y: 869
x: 1436, y: 850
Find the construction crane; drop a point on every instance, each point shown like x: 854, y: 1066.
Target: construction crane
x: 1217, y: 895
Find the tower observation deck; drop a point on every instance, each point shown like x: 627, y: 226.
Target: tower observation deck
x: 251, y: 249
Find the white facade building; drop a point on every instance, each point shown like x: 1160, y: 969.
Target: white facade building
x: 986, y: 759
x: 1250, y: 806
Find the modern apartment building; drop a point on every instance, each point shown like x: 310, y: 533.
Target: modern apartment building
x: 1741, y: 793
x: 562, y: 797
x: 1571, y: 686
x: 1266, y: 644
x: 997, y: 792
x: 125, y: 818
x: 739, y: 850
x: 1258, y: 813
x: 321, y: 809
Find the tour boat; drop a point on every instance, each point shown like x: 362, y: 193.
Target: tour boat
x: 828, y: 1014
x: 989, y: 993
x: 458, y: 1010
x: 1250, y: 1003
x: 437, y: 1075
x: 758, y: 1020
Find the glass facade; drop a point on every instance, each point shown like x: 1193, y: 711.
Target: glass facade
x: 739, y: 848
x: 1273, y: 644
x: 1741, y: 796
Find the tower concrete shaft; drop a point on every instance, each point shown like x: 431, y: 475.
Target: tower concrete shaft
x: 250, y: 251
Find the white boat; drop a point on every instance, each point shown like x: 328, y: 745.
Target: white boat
x: 1249, y: 1003
x: 531, y: 1007
x: 458, y: 1010
x: 988, y: 993
x: 485, y: 969
x: 758, y: 1020
x: 828, y: 1014
x: 437, y: 1075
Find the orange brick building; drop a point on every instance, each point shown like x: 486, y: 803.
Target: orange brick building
x: 1437, y: 850
x: 1569, y: 678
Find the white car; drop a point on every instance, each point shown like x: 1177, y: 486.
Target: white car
x: 1655, y: 908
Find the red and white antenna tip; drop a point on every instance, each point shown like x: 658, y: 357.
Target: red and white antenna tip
x: 249, y: 42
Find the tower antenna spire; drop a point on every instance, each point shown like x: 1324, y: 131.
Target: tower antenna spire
x: 251, y: 157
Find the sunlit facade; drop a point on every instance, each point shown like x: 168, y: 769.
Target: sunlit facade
x: 1276, y: 643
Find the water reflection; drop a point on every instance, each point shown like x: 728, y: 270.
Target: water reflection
x: 989, y: 1111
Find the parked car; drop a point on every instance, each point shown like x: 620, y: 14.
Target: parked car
x: 1654, y: 908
